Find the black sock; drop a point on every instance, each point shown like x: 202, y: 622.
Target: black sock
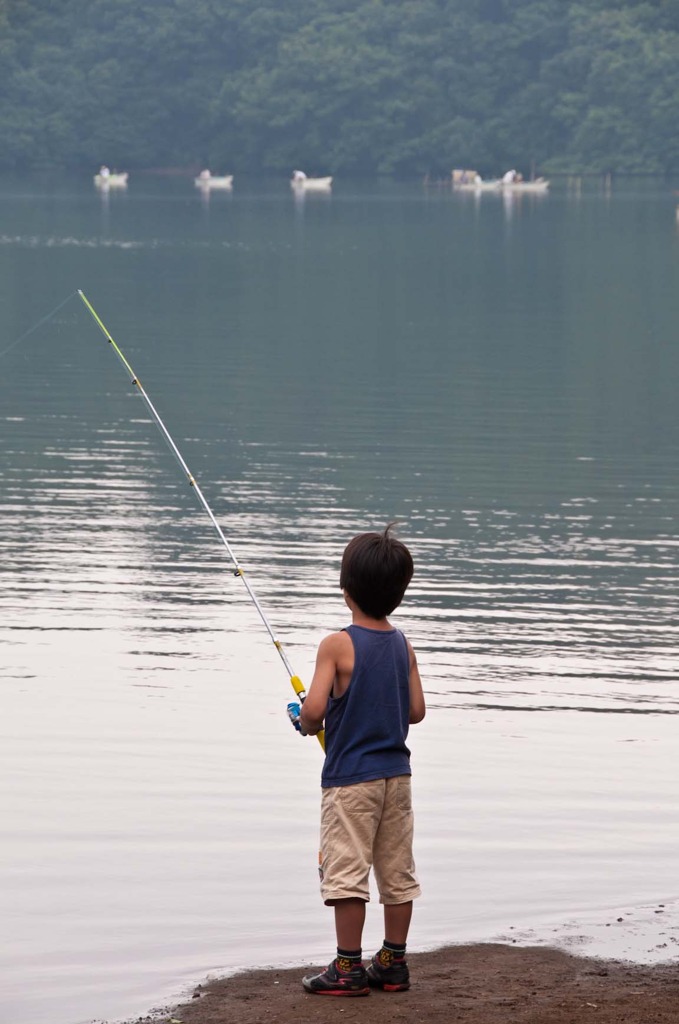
x: 397, y: 950
x: 354, y: 956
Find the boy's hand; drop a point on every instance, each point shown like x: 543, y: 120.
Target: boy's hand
x: 294, y: 711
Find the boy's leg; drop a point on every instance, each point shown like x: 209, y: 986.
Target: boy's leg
x: 397, y: 922
x: 389, y: 968
x: 349, y: 921
x: 397, y: 882
x: 393, y: 850
x: 346, y: 975
x: 350, y: 816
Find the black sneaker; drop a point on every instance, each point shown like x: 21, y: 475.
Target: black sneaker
x: 388, y: 973
x: 339, y: 979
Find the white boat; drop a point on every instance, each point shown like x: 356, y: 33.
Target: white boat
x: 209, y: 181
x: 300, y: 182
x: 471, y: 181
x: 108, y: 180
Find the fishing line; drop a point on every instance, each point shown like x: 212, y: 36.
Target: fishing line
x: 295, y: 681
x: 4, y: 351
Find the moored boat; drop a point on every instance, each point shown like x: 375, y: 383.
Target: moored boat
x: 207, y: 180
x: 105, y: 179
x: 471, y: 181
x: 302, y: 183
x: 512, y: 181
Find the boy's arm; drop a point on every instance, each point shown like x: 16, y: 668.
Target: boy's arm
x: 418, y: 708
x: 316, y: 701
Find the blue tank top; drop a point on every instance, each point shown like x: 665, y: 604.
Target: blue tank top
x: 366, y: 728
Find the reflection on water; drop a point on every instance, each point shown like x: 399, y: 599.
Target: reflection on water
x: 504, y: 387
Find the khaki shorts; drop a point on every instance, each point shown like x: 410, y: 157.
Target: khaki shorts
x: 368, y: 825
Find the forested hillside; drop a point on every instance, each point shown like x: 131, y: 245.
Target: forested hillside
x: 353, y: 86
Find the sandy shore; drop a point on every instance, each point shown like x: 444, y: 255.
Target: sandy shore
x: 489, y: 983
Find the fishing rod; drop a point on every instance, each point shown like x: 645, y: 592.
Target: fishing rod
x: 295, y: 681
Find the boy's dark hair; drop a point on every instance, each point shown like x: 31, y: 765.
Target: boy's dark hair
x: 376, y: 570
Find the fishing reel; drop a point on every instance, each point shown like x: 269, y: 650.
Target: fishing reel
x: 294, y: 711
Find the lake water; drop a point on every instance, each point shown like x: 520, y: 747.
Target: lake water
x: 501, y: 377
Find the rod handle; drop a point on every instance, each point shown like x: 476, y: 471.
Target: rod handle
x: 298, y: 687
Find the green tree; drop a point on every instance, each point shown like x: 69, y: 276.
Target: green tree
x: 388, y: 86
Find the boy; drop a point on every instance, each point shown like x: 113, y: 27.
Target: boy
x: 367, y: 689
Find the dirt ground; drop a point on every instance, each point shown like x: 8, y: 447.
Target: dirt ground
x: 475, y: 984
